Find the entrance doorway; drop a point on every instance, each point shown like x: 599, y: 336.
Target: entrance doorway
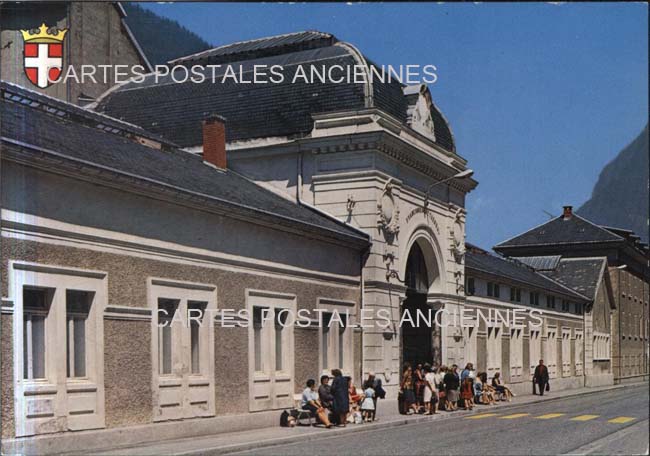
x: 417, y: 339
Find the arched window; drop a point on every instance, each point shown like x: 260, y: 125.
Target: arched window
x: 417, y: 279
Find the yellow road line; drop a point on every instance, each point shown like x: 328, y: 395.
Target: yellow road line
x: 478, y: 417
x: 621, y: 420
x: 584, y: 417
x: 512, y: 417
x: 548, y: 416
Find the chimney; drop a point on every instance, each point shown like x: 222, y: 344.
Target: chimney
x: 214, y: 141
x: 567, y: 213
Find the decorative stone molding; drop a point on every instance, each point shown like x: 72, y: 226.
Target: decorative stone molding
x: 388, y: 211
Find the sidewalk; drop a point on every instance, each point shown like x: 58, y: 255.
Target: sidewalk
x: 387, y: 413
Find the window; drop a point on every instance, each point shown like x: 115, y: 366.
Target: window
x: 77, y: 310
x: 36, y: 306
x: 280, y: 324
x: 183, y: 349
x: 196, y: 313
x: 550, y: 302
x: 59, y: 354
x: 470, y: 287
x: 166, y: 311
x: 578, y: 308
x: 271, y: 352
x: 325, y: 340
x: 515, y: 294
x: 534, y: 298
x: 493, y: 289
x: 601, y: 346
x: 550, y: 351
x: 257, y: 337
x: 565, y: 305
x: 342, y: 332
x: 493, y: 350
x: 579, y: 351
x: 516, y: 353
x: 566, y: 352
x: 535, y: 348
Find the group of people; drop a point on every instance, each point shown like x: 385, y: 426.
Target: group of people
x: 427, y: 389
x: 423, y: 390
x: 340, y: 402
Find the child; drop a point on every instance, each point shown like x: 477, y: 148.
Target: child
x: 368, y: 404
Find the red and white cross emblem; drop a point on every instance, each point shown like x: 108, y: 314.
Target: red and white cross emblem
x: 43, y: 63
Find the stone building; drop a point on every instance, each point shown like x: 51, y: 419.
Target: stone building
x: 97, y: 35
x: 365, y: 153
x: 573, y: 298
x: 109, y: 231
x: 337, y: 197
x: 573, y: 238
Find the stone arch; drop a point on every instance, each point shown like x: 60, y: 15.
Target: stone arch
x: 426, y: 240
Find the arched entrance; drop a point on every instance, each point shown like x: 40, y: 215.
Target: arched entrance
x: 417, y: 339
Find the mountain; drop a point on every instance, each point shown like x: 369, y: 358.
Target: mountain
x: 161, y: 39
x: 620, y: 197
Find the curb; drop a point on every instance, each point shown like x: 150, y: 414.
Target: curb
x: 325, y: 434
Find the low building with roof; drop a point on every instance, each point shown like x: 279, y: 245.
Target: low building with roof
x: 569, y: 303
x: 111, y: 232
x: 580, y: 245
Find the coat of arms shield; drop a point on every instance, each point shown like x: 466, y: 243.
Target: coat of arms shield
x: 43, y: 55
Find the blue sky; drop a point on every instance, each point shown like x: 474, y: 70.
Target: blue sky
x: 539, y: 96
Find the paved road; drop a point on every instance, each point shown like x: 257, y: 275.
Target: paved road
x: 613, y: 422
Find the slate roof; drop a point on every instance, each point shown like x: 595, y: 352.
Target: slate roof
x: 540, y: 263
x: 175, y: 110
x: 97, y: 140
x: 514, y: 270
x: 581, y: 275
x: 572, y: 230
x: 260, y: 47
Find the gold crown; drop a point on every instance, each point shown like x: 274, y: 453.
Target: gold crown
x: 42, y: 36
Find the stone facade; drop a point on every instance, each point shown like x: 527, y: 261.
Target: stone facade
x: 374, y: 174
x: 184, y: 251
x: 630, y: 326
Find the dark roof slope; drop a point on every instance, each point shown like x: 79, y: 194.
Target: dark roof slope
x: 540, y: 263
x: 487, y: 263
x: 561, y: 230
x: 37, y: 120
x: 278, y: 109
x: 581, y: 275
x: 260, y: 47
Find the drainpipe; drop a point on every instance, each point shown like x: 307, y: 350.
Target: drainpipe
x: 299, y: 177
x: 584, y: 348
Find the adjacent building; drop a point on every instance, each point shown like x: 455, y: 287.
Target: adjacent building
x: 573, y: 299
x: 577, y: 241
x: 108, y: 234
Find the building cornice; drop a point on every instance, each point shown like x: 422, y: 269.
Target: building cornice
x: 50, y: 161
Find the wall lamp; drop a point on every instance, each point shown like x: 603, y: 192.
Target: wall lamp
x: 466, y: 174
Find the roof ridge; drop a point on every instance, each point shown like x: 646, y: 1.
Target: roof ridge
x: 254, y: 40
x: 12, y: 90
x: 518, y: 263
x: 597, y: 226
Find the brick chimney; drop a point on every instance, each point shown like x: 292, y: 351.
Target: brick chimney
x: 567, y: 213
x: 214, y: 141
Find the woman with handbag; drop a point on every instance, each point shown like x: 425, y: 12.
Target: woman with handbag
x: 340, y: 396
x: 406, y: 389
x: 439, y: 379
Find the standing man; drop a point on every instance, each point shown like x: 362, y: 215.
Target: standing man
x: 540, y: 377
